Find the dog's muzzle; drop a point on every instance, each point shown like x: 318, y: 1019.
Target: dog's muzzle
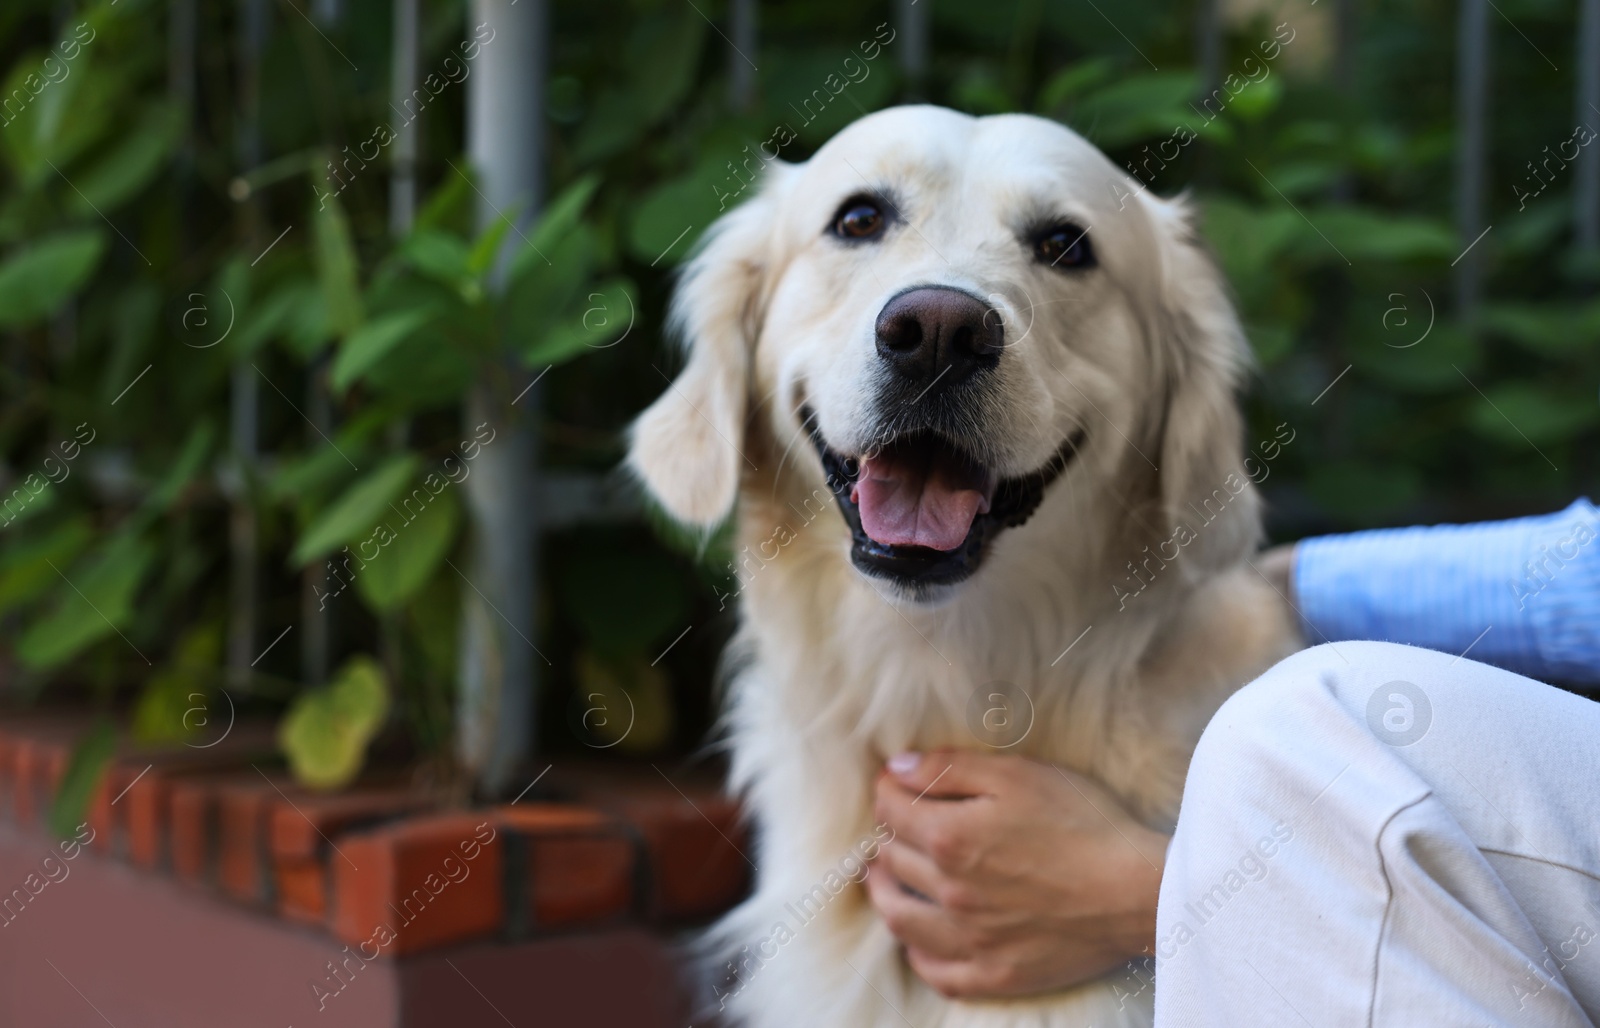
x: 922, y: 511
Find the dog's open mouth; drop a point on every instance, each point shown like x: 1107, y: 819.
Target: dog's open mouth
x: 922, y: 511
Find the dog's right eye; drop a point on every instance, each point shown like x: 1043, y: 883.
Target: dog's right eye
x: 858, y: 219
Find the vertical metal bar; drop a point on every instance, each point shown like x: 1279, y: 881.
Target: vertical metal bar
x: 1344, y: 77
x: 182, y: 33
x: 743, y: 28
x: 315, y: 615
x: 911, y: 33
x: 505, y: 141
x: 404, y: 52
x: 1344, y: 54
x: 1586, y: 184
x: 327, y: 12
x: 1472, y: 141
x: 244, y: 389
x: 402, y: 80
x: 1208, y: 45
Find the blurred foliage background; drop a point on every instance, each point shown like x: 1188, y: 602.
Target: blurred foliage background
x: 137, y: 285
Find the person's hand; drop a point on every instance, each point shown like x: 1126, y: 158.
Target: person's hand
x: 1007, y: 877
x: 1277, y: 567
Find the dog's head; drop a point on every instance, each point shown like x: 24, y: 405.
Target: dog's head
x: 955, y: 313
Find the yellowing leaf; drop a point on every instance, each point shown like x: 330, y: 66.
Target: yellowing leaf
x: 326, y: 731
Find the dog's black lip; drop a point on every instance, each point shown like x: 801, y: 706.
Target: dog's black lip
x: 919, y: 567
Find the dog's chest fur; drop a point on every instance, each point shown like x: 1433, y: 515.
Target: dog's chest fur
x: 829, y: 677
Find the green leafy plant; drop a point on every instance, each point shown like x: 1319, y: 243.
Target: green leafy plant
x: 154, y: 286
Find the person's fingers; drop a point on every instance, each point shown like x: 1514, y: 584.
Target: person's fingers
x: 913, y: 921
x: 950, y: 774
x: 958, y: 978
x: 917, y: 870
x: 941, y: 829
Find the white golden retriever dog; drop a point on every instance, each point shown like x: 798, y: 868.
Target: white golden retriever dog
x: 972, y: 390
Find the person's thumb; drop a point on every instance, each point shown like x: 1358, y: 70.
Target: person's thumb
x: 944, y: 774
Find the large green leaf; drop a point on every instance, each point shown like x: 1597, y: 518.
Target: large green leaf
x: 450, y: 204
x: 60, y: 120
x: 1407, y: 356
x: 175, y: 704
x: 94, y: 602
x: 1517, y: 413
x: 276, y: 315
x: 488, y: 244
x: 1552, y: 329
x: 25, y: 571
x: 559, y: 219
x: 561, y: 215
x: 607, y: 313
x: 353, y: 514
x: 1136, y: 107
x: 316, y: 473
x: 1362, y: 234
x: 23, y: 503
x: 1248, y: 241
x: 673, y: 216
x: 137, y: 307
x: 432, y: 366
x: 128, y: 166
x: 183, y: 470
x: 1072, y: 82
x: 538, y: 297
x: 372, y: 342
x: 36, y: 280
x: 416, y: 549
x: 441, y: 256
x: 326, y: 731
x: 85, y: 768
x: 660, y: 55
x: 337, y: 268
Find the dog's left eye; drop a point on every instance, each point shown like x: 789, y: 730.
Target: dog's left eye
x: 1064, y: 246
x: 858, y: 219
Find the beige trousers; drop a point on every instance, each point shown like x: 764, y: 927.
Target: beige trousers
x: 1373, y: 834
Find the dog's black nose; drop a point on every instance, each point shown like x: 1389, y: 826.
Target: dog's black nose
x: 935, y: 334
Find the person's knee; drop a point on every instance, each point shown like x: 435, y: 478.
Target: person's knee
x: 1277, y: 715
x: 1288, y: 685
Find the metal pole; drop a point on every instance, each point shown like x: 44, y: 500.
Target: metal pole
x: 1208, y: 40
x: 743, y: 27
x: 505, y: 137
x: 315, y: 614
x: 1586, y: 184
x: 244, y: 389
x: 1344, y: 58
x: 911, y: 28
x: 1472, y: 141
x: 402, y: 80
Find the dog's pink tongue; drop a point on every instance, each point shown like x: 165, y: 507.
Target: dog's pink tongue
x: 915, y: 503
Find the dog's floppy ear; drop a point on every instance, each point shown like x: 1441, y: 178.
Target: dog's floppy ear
x: 687, y: 446
x: 1202, y: 356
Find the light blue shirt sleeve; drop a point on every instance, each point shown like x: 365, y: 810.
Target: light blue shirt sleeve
x: 1527, y: 590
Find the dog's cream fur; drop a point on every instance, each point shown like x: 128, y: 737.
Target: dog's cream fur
x: 833, y: 671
